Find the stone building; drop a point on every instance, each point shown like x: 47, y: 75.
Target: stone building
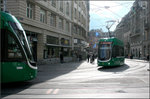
x: 134, y: 30
x: 52, y: 26
x: 146, y: 42
x: 139, y: 33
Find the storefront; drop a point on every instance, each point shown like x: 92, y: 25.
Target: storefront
x: 54, y: 47
x: 65, y: 47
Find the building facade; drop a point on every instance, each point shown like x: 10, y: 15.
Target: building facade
x: 147, y: 29
x: 134, y: 30
x: 52, y: 26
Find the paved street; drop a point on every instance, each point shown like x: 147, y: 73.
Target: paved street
x: 84, y: 80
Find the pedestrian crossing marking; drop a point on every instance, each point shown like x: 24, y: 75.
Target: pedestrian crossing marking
x: 55, y: 91
x: 49, y: 91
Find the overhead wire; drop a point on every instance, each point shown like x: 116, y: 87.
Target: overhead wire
x: 119, y: 4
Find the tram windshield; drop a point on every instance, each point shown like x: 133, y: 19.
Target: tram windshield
x: 21, y: 34
x: 104, y: 52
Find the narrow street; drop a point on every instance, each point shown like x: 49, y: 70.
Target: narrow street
x: 84, y: 80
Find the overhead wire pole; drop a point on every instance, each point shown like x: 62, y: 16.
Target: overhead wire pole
x: 4, y: 5
x: 108, y: 27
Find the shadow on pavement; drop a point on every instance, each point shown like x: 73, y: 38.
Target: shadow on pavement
x: 45, y: 72
x: 114, y: 69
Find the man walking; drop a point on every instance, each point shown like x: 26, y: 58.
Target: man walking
x: 148, y: 60
x: 88, y: 57
x: 61, y: 57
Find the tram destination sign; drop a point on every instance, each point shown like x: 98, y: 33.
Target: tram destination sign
x: 105, y: 42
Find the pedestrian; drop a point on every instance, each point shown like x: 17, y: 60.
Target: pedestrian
x: 92, y: 58
x: 88, y: 57
x: 131, y: 57
x: 148, y: 60
x: 80, y: 57
x: 147, y: 57
x: 61, y: 57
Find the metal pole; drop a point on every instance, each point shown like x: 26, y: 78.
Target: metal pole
x: 4, y: 3
x: 149, y: 62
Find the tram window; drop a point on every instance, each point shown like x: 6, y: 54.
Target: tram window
x: 20, y: 33
x: 13, y: 49
x: 105, y: 51
x: 117, y: 51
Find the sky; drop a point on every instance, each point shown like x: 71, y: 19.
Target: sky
x: 107, y: 13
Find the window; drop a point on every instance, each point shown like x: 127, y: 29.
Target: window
x: 29, y: 10
x: 82, y: 19
x: 75, y: 13
x: 20, y: 33
x: 42, y: 15
x: 61, y: 6
x: 75, y: 29
x: 79, y: 16
x: 2, y: 5
x: 67, y: 26
x: 117, y: 51
x: 53, y: 3
x: 64, y: 41
x: 104, y: 51
x: 76, y: 1
x: 67, y: 8
x: 53, y: 20
x: 80, y: 31
x: 60, y: 23
x: 11, y: 48
x: 79, y: 3
x: 52, y: 40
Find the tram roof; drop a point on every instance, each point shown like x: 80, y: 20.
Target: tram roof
x: 6, y: 16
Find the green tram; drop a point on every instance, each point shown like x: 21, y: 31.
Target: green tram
x: 110, y: 52
x: 17, y: 63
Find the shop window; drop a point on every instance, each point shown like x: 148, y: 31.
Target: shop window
x: 64, y: 41
x: 52, y: 40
